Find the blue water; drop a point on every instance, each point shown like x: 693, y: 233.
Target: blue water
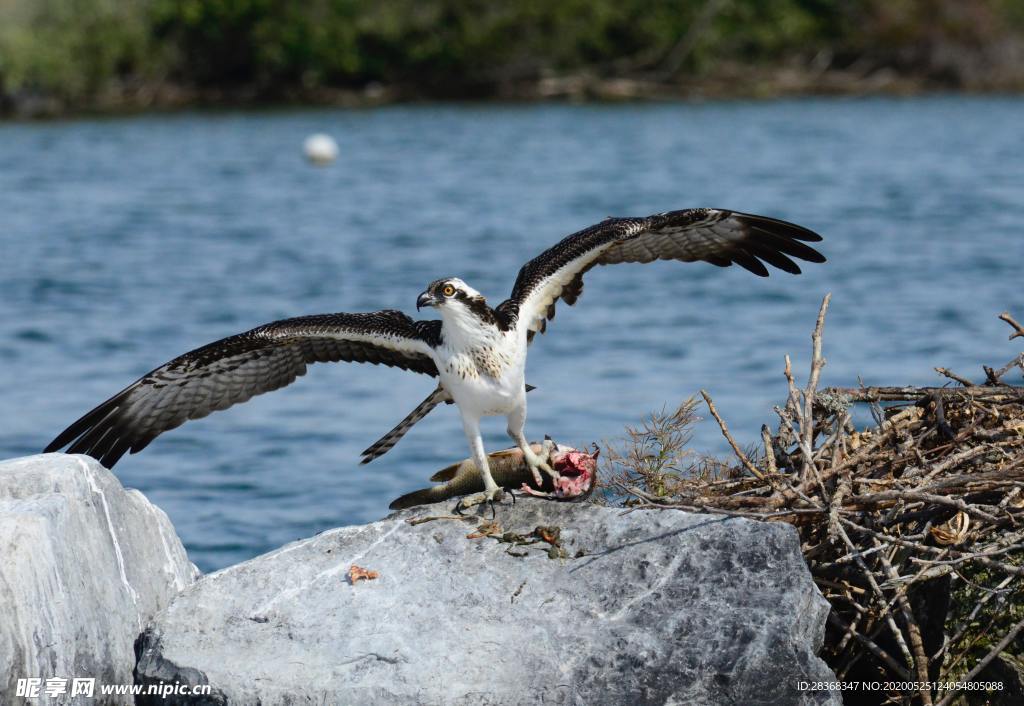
x: 124, y: 242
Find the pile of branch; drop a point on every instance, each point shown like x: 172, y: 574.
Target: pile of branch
x: 913, y: 529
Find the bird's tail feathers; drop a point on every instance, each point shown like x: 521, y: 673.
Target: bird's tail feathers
x: 388, y: 441
x: 384, y: 444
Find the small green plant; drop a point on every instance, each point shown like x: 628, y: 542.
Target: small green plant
x: 653, y: 456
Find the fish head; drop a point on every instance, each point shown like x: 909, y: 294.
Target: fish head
x: 577, y: 470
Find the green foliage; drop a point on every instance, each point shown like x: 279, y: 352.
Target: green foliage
x: 77, y: 49
x: 761, y: 29
x: 456, y: 41
x: 71, y: 48
x: 653, y: 459
x: 983, y: 610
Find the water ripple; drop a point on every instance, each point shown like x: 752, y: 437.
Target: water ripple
x: 125, y: 242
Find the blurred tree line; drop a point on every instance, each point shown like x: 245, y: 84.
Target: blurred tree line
x: 85, y: 53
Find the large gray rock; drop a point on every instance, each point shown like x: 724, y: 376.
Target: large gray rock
x: 663, y: 607
x: 84, y: 565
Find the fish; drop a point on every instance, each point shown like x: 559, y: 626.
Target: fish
x: 578, y: 471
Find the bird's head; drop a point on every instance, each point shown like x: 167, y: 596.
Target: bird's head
x: 449, y: 292
x: 456, y: 301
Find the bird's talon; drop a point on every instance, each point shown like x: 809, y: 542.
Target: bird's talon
x: 537, y: 477
x: 555, y: 475
x: 486, y: 496
x: 545, y: 451
x: 538, y: 462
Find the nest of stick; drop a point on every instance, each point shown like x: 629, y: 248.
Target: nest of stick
x: 913, y: 529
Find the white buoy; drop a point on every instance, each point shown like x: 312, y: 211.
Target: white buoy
x: 320, y: 149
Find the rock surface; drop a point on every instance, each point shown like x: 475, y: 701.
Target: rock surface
x: 661, y: 608
x: 85, y: 565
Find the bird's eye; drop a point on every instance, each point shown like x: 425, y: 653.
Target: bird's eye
x: 448, y: 290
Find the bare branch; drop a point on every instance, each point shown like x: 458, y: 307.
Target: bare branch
x: 1018, y: 330
x: 728, y: 437
x: 769, y: 450
x: 953, y: 376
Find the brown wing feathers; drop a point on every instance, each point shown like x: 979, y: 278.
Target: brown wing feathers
x: 717, y: 236
x: 234, y: 369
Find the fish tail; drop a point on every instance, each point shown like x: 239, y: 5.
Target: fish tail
x: 419, y: 497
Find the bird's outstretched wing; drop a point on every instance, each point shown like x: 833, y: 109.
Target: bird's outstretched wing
x: 234, y: 369
x: 713, y: 235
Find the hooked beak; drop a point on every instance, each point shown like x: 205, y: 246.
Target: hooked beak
x: 425, y: 299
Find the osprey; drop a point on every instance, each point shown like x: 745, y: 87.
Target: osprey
x: 477, y: 352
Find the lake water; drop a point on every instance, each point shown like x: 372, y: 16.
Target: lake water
x: 124, y: 242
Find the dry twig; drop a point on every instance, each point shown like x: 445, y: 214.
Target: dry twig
x: 1018, y: 330
x: 728, y: 437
